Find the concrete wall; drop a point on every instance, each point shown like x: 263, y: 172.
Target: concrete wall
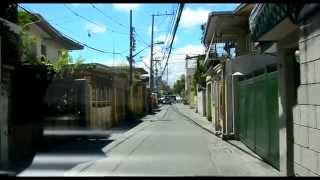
x: 306, y: 115
x: 201, y: 102
x: 120, y: 91
x: 137, y: 99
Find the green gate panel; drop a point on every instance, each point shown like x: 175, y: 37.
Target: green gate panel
x: 272, y: 110
x: 242, y: 113
x: 261, y: 128
x: 251, y: 116
x: 258, y: 116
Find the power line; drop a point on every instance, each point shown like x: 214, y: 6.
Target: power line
x: 164, y: 50
x: 86, y: 19
x: 81, y: 43
x: 109, y: 17
x: 174, y: 33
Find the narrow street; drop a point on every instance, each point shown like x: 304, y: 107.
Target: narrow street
x: 170, y: 143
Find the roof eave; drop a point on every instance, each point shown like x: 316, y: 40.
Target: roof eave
x: 47, y: 27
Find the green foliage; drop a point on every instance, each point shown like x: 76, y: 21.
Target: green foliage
x: 199, y: 76
x: 179, y: 86
x: 24, y: 18
x: 63, y: 59
x: 66, y: 65
x: 27, y: 40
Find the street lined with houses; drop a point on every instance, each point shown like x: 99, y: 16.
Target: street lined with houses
x: 168, y: 144
x: 234, y: 92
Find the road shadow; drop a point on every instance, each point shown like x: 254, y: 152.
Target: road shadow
x: 63, y: 148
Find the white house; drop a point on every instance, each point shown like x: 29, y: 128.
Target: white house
x: 49, y: 40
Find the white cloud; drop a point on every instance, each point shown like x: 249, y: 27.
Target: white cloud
x: 176, y: 61
x: 125, y: 6
x: 192, y: 17
x: 94, y: 28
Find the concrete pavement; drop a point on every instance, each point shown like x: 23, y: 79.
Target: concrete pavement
x: 171, y: 144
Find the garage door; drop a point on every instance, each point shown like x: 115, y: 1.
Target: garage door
x: 258, y: 116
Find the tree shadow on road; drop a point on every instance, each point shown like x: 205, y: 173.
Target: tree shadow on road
x: 63, y: 148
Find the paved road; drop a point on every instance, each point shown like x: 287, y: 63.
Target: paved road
x: 65, y: 148
x: 171, y: 144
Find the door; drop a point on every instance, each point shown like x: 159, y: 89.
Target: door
x: 258, y: 116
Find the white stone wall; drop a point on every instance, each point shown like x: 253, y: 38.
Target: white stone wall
x: 200, y: 103
x: 306, y: 115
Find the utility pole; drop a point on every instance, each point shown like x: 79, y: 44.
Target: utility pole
x: 151, y: 52
x: 168, y: 75
x: 157, y: 78
x: 151, y: 55
x: 130, y: 47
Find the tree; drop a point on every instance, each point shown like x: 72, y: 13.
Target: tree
x: 199, y: 76
x: 179, y: 86
x: 27, y: 40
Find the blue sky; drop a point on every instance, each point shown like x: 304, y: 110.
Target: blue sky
x: 108, y: 27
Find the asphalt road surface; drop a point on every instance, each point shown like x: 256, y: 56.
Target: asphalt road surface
x: 169, y: 143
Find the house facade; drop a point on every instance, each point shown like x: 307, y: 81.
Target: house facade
x: 242, y: 84
x: 294, y: 30
x: 49, y: 41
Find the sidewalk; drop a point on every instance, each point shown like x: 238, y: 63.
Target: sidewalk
x: 207, y: 125
x: 196, y: 117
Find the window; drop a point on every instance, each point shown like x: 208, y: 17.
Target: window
x: 43, y: 50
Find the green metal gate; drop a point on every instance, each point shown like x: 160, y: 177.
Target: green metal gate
x: 258, y: 116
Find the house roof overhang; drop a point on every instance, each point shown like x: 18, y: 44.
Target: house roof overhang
x: 227, y: 25
x: 56, y: 35
x: 271, y: 22
x: 13, y: 27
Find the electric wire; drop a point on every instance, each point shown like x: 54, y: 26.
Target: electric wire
x: 81, y: 43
